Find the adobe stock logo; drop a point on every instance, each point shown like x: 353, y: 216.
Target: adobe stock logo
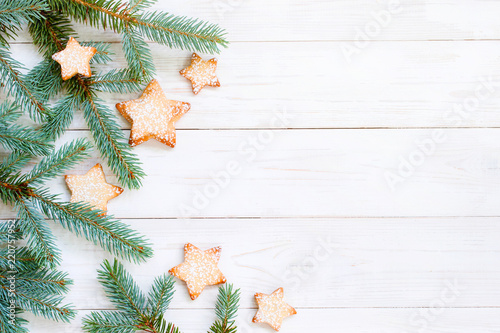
x: 372, y: 29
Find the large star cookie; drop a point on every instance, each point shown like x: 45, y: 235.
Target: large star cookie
x: 199, y: 269
x: 153, y: 116
x: 92, y: 188
x: 201, y: 73
x: 272, y: 309
x: 74, y: 59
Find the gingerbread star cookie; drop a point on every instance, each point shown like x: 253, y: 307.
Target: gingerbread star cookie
x: 272, y: 309
x: 92, y: 188
x: 199, y: 269
x: 201, y: 73
x: 74, y: 59
x: 153, y: 116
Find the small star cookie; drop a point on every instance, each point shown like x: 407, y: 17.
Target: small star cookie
x: 201, y: 73
x: 199, y: 269
x: 74, y: 59
x: 92, y: 188
x: 153, y: 116
x: 272, y: 309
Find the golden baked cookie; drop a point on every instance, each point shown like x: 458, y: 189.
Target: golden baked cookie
x: 92, y: 188
x: 201, y: 73
x: 152, y: 116
x: 74, y: 59
x: 199, y: 269
x: 272, y: 309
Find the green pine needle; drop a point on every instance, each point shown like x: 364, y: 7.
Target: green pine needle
x: 17, y: 86
x: 39, y: 236
x: 226, y: 310
x: 111, y: 142
x: 135, y: 313
x: 58, y: 163
x: 115, y: 81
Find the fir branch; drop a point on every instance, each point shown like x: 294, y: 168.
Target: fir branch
x: 135, y: 313
x: 40, y: 238
x: 161, y: 295
x: 163, y: 28
x: 226, y: 310
x: 46, y: 80
x: 41, y: 304
x: 17, y: 87
x: 14, y: 162
x: 110, y: 139
x: 112, y: 235
x: 109, y: 322
x: 181, y: 32
x: 55, y: 165
x: 51, y: 33
x: 24, y: 139
x: 42, y: 280
x: 60, y: 118
x: 137, y: 54
x: 103, y: 54
x: 121, y: 289
x: 136, y: 5
x: 9, y: 112
x: 115, y: 81
x: 25, y: 259
x: 7, y: 325
x: 16, y: 13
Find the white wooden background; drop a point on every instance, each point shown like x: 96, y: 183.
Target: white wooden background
x: 311, y: 209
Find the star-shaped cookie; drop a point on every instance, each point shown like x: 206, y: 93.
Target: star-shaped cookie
x: 153, y: 116
x: 74, y: 59
x: 92, y: 188
x: 201, y: 73
x: 199, y: 269
x: 272, y: 309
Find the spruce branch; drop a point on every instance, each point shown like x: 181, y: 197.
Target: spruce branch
x: 115, y: 81
x: 17, y: 87
x: 40, y: 238
x: 13, y: 163
x: 103, y: 230
x: 163, y: 28
x: 110, y: 139
x: 135, y: 313
x: 15, y: 137
x: 45, y: 79
x: 137, y: 54
x: 15, y: 13
x: 226, y: 310
x: 58, y: 163
x: 60, y: 118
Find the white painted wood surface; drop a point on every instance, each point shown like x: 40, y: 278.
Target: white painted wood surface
x: 312, y: 210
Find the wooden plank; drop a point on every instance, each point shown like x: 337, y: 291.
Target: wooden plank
x: 410, y: 84
x: 324, y: 320
x: 321, y: 263
x: 351, y: 20
x: 281, y: 173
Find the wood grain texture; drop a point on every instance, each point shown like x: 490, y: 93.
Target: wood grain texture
x: 295, y: 20
x: 283, y: 173
x: 389, y: 84
x: 326, y: 320
x: 355, y: 98
x: 321, y: 263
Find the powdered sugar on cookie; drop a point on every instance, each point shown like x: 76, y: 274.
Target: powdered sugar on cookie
x: 92, y: 188
x: 272, y: 309
x: 201, y: 73
x: 199, y: 269
x: 153, y: 116
x: 75, y: 59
